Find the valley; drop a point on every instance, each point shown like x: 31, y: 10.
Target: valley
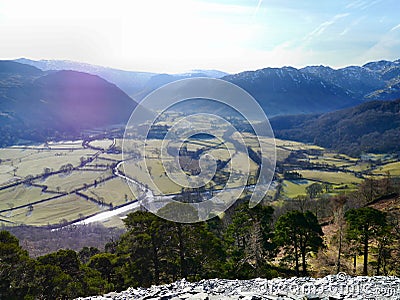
x: 75, y: 175
x: 82, y: 181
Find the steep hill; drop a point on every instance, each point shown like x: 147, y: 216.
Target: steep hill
x: 37, y: 105
x: 282, y: 91
x: 371, y: 127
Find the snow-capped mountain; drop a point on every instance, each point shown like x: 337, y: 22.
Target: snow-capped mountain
x: 313, y: 89
x: 280, y: 91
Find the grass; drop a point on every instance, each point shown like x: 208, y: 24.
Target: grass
x: 281, y: 154
x: 32, y: 161
x: 221, y: 153
x: 332, y: 177
x: 6, y: 173
x: 158, y: 183
x: 292, y: 145
x: 116, y: 157
x: 36, y: 161
x: 360, y: 167
x: 293, y: 188
x: 76, y: 180
x: 21, y: 195
x: 68, y: 208
x: 392, y: 168
x: 112, y: 191
x: 329, y: 161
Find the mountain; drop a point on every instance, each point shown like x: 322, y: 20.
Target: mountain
x: 208, y: 73
x: 135, y: 84
x: 359, y: 81
x: 56, y: 103
x: 373, y: 81
x: 287, y: 90
x: 159, y: 80
x: 318, y: 89
x: 129, y: 81
x: 38, y: 105
x: 370, y: 127
x: 279, y: 91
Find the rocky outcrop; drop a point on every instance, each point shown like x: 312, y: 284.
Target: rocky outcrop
x: 332, y: 287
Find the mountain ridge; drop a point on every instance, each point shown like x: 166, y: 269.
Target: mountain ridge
x: 279, y: 91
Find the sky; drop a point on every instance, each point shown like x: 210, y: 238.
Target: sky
x: 174, y: 36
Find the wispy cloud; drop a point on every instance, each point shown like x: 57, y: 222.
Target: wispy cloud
x: 352, y: 24
x: 362, y: 4
x: 369, y: 4
x: 345, y: 31
x: 395, y: 27
x: 323, y: 26
x: 257, y: 7
x: 386, y: 47
x: 356, y: 4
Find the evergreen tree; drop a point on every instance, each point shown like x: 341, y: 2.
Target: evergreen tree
x: 248, y: 240
x: 299, y: 234
x: 365, y: 224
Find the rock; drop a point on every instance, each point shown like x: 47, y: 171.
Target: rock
x: 333, y: 287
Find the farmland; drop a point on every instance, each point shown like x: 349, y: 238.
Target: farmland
x: 65, y: 182
x: 59, y: 182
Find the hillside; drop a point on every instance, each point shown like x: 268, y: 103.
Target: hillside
x: 37, y: 105
x: 283, y: 91
x: 370, y: 127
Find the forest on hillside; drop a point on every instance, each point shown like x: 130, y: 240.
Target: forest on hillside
x: 370, y: 127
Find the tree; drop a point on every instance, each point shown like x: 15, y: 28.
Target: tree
x: 338, y: 216
x: 299, y: 234
x: 302, y: 202
x: 46, y: 171
x: 67, y: 260
x: 314, y: 190
x: 144, y: 247
x: 194, y: 250
x: 16, y: 268
x: 368, y: 190
x: 248, y: 240
x: 364, y: 224
x: 86, y: 253
x: 103, y: 262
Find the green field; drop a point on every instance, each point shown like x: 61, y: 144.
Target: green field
x: 159, y: 184
x: 16, y: 163
x: 292, y: 145
x: 77, y: 179
x: 331, y: 177
x: 35, y: 163
x: 293, y: 188
x: 392, y: 168
x: 115, y: 191
x: 67, y: 208
x: 21, y: 195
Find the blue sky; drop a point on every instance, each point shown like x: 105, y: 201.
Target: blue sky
x: 178, y: 35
